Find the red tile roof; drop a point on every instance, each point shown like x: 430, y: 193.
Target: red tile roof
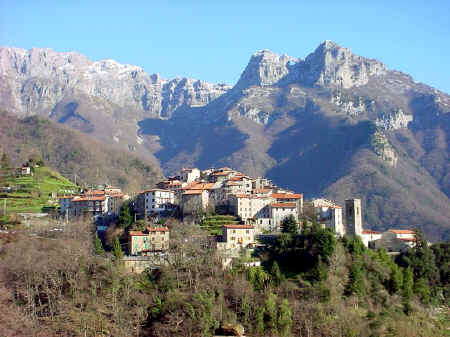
x: 238, y: 226
x: 137, y: 233
x: 149, y: 229
x: 284, y: 205
x: 221, y: 173
x: 156, y: 189
x: 89, y: 198
x: 157, y: 229
x: 243, y: 196
x: 408, y: 239
x: 199, y: 186
x: 369, y: 231
x: 192, y: 192
x: 287, y: 196
x: 402, y: 231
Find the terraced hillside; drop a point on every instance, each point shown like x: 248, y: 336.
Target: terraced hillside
x: 213, y: 223
x: 33, y: 193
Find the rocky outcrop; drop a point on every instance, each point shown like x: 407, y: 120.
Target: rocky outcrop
x: 393, y: 121
x: 384, y: 149
x: 39, y: 78
x: 265, y: 68
x: 353, y: 107
x: 331, y: 65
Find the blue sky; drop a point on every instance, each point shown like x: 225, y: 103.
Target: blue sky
x: 213, y: 40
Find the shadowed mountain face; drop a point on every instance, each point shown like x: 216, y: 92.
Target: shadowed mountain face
x: 334, y: 124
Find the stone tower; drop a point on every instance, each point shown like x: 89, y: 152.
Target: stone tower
x: 353, y: 217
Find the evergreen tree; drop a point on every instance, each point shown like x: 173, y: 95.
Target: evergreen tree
x: 319, y: 272
x: 258, y: 277
x: 125, y: 218
x: 284, y: 318
x: 396, y: 281
x: 355, y: 284
x: 422, y: 289
x: 315, y: 227
x: 408, y: 283
x: 260, y: 313
x: 98, y: 245
x: 289, y: 225
x: 323, y: 243
x: 305, y: 226
x: 275, y: 271
x: 271, y: 317
x: 421, y: 259
x: 118, y: 253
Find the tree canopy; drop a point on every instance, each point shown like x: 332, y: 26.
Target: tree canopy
x: 289, y: 225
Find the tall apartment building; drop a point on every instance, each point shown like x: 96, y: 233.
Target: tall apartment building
x: 353, y: 217
x: 156, y: 201
x: 280, y: 211
x: 250, y: 206
x: 290, y: 197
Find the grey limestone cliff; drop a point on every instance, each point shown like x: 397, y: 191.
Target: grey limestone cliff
x: 333, y: 65
x: 37, y: 79
x: 265, y: 68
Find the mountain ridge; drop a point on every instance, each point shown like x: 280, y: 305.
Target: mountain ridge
x: 317, y: 125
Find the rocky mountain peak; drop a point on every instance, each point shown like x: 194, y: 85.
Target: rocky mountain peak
x: 38, y: 79
x: 330, y: 65
x: 333, y: 65
x: 264, y: 68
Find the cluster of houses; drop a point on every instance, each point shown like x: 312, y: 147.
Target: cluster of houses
x: 260, y: 206
x: 95, y: 203
x: 256, y: 201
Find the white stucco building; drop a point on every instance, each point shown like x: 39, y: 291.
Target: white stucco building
x: 189, y: 174
x: 281, y: 210
x: 248, y: 206
x: 158, y: 200
x: 330, y: 215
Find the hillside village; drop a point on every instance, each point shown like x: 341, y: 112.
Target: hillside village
x: 252, y: 210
